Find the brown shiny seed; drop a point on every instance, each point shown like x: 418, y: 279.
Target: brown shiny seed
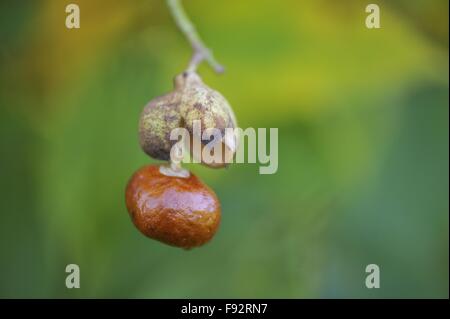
x: 178, y: 211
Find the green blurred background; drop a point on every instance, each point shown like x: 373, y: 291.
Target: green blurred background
x: 363, y: 148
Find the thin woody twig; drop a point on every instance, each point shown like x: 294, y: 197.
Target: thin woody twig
x: 201, y: 52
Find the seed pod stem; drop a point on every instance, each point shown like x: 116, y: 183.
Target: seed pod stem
x: 201, y: 52
x: 174, y: 170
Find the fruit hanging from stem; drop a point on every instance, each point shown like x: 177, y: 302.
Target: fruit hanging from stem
x: 166, y: 202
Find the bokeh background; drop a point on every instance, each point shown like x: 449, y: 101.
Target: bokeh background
x: 363, y: 148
